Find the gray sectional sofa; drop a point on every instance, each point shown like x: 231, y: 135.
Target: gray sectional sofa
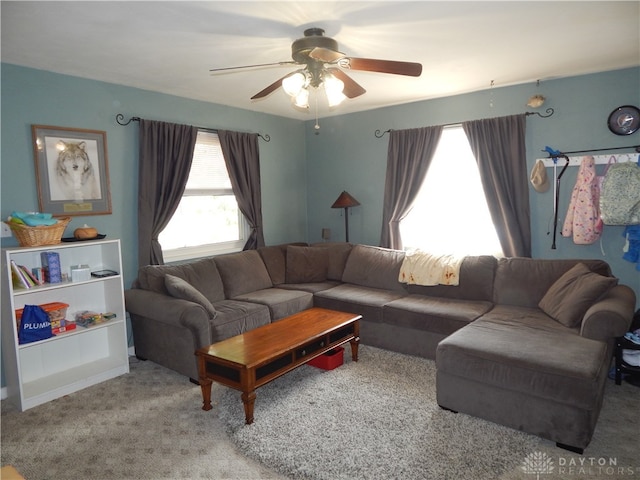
x: 522, y: 342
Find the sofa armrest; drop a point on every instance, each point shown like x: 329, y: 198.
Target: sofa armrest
x: 171, y: 311
x: 611, y: 316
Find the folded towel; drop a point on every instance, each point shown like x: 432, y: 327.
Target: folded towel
x: 422, y: 268
x: 35, y: 219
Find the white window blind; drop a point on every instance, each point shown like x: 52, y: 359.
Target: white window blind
x: 208, y: 170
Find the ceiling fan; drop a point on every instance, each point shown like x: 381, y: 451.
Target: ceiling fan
x: 323, y: 64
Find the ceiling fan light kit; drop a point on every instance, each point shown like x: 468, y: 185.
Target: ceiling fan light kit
x: 297, y: 86
x: 323, y: 64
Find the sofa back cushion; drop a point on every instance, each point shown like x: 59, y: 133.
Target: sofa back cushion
x: 374, y: 267
x: 524, y: 281
x: 338, y: 254
x: 243, y: 272
x: 202, y: 274
x: 307, y: 264
x: 476, y: 281
x: 275, y: 259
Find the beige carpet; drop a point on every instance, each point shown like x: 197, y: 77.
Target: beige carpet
x: 149, y: 425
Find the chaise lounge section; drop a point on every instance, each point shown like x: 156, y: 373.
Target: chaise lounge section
x: 526, y: 343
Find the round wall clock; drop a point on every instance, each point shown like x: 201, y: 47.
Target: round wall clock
x: 624, y: 120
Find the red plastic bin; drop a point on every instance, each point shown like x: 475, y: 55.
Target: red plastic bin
x: 330, y: 360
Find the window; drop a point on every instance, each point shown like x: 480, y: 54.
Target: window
x: 208, y: 220
x: 450, y: 215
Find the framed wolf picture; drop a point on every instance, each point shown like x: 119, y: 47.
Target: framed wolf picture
x: 72, y: 171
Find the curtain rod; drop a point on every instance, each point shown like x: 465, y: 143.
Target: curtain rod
x: 120, y: 121
x: 549, y: 111
x: 636, y: 147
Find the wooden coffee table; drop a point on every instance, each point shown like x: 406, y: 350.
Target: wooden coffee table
x: 248, y: 361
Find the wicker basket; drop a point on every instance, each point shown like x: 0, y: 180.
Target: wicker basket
x: 43, y: 235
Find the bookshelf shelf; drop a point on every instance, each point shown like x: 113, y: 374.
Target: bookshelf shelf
x: 42, y: 371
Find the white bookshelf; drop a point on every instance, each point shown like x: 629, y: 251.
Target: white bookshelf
x: 42, y: 371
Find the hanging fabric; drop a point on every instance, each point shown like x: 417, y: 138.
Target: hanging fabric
x: 631, y: 250
x: 583, y: 215
x: 620, y: 196
x: 599, y: 180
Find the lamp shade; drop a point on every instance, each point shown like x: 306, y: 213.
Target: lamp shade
x: 345, y: 201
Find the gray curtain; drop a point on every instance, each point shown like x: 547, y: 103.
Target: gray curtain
x: 408, y: 159
x: 499, y: 147
x: 242, y: 158
x: 166, y: 152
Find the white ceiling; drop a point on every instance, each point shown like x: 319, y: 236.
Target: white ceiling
x: 170, y: 46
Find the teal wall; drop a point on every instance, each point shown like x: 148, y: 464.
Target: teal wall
x: 303, y: 173
x: 43, y: 98
x: 346, y: 155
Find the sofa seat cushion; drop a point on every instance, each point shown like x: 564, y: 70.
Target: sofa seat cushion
x: 531, y: 317
x: 434, y: 314
x: 310, y: 287
x: 365, y: 301
x: 281, y: 302
x: 527, y: 358
x: 234, y: 317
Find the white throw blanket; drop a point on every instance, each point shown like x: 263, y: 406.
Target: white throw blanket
x: 422, y: 268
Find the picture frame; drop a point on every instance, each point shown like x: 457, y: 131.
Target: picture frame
x: 72, y: 170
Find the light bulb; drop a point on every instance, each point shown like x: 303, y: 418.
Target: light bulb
x: 294, y: 83
x: 333, y: 88
x: 301, y: 100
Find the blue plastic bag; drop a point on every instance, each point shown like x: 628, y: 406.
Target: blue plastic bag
x: 35, y: 325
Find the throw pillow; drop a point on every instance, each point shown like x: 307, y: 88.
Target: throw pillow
x: 179, y: 288
x: 307, y: 264
x: 569, y: 298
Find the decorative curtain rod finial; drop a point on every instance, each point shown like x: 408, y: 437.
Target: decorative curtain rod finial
x: 379, y: 133
x: 120, y: 118
x: 549, y: 112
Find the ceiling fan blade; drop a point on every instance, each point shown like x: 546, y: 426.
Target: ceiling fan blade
x: 325, y: 55
x: 351, y: 88
x: 274, y: 86
x: 410, y: 69
x: 274, y: 64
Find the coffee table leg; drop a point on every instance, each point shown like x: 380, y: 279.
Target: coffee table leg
x: 248, y: 399
x: 205, y: 386
x: 354, y: 348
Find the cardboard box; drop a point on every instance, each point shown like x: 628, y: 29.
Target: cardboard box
x: 57, y: 312
x: 51, y: 267
x: 330, y: 360
x: 80, y: 273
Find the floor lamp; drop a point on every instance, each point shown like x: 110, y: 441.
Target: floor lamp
x: 345, y: 201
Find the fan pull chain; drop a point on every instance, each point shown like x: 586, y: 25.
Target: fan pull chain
x: 317, y: 125
x: 491, y: 95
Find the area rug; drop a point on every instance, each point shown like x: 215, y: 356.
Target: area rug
x: 378, y: 419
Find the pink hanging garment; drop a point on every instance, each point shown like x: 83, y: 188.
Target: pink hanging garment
x: 583, y: 214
